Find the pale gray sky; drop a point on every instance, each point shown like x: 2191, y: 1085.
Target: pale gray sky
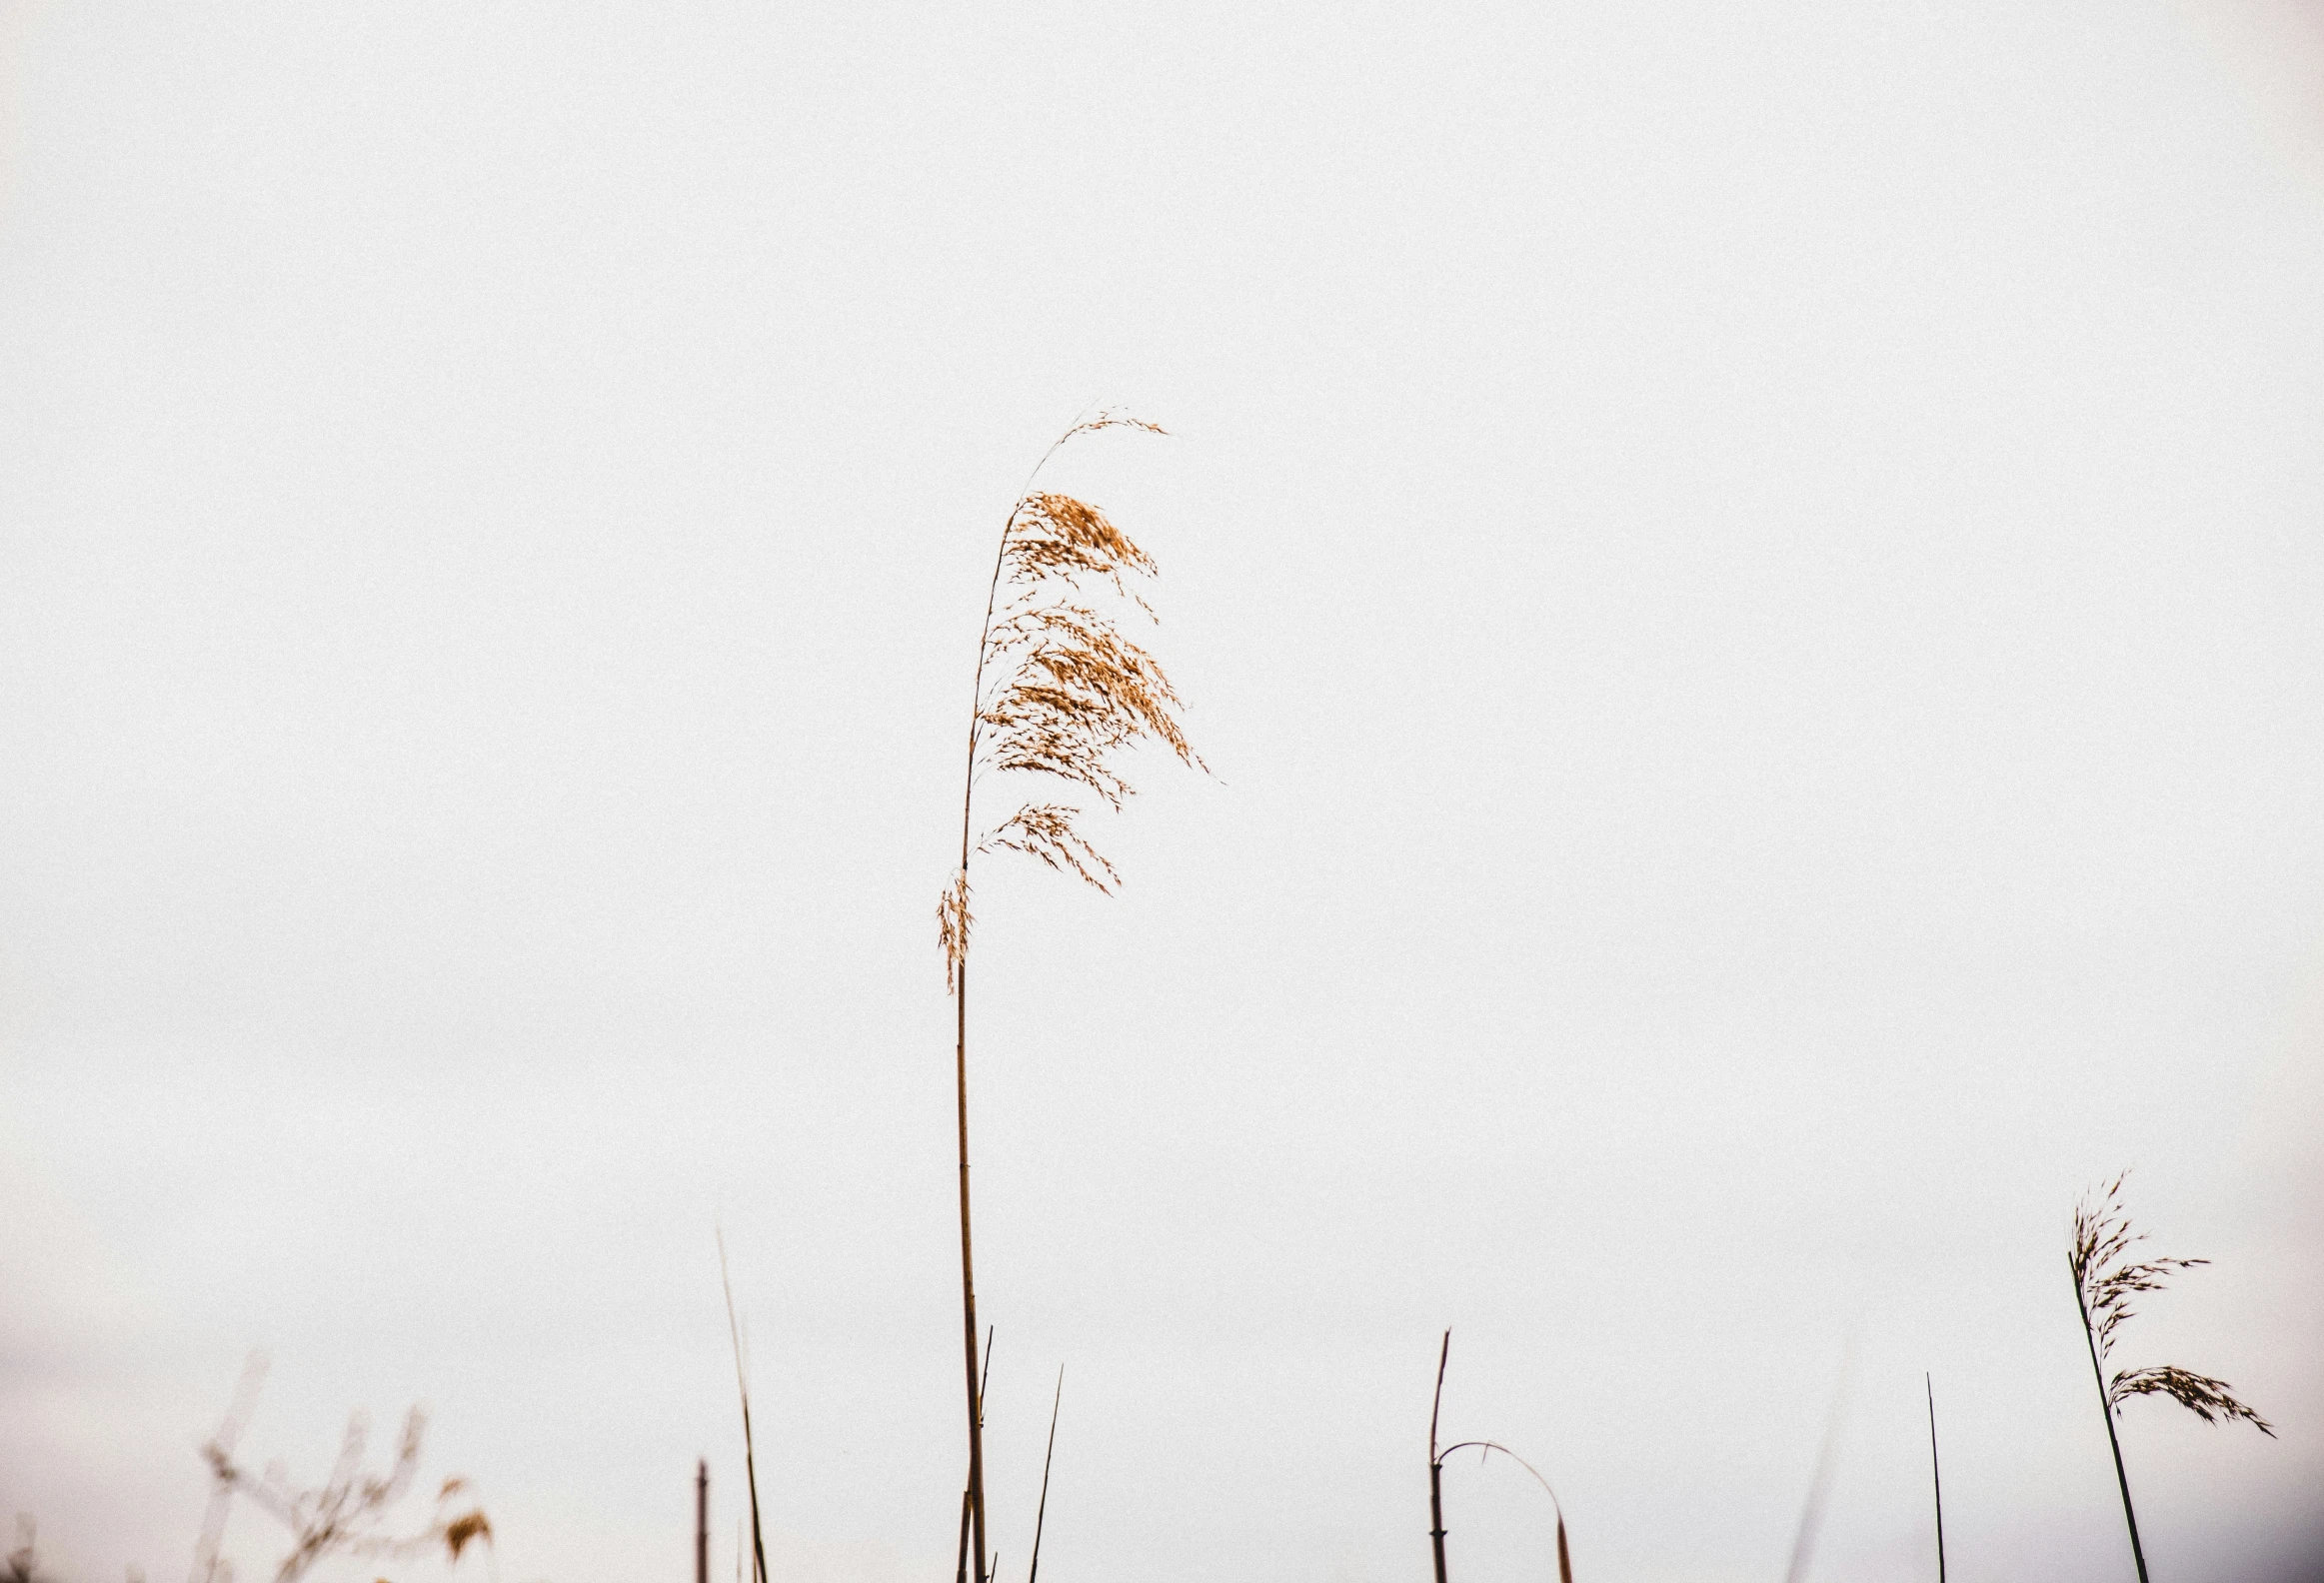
x: 1749, y: 575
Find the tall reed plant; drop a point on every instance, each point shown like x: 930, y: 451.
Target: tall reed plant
x: 1060, y: 692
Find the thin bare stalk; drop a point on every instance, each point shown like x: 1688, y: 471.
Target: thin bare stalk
x: 742, y: 1385
x: 1936, y: 1478
x: 2113, y: 1440
x: 1040, y: 1514
x: 969, y: 1259
x: 1436, y: 1462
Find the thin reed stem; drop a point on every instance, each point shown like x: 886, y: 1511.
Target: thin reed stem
x: 701, y: 1521
x: 968, y: 1264
x: 1040, y: 1514
x: 983, y: 1378
x: 961, y: 1033
x: 742, y: 1385
x: 1936, y: 1478
x: 1436, y: 1462
x: 2106, y: 1409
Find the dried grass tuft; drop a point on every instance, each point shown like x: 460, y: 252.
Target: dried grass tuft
x: 346, y: 1514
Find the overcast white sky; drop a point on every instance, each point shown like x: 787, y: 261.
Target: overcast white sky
x: 1750, y: 576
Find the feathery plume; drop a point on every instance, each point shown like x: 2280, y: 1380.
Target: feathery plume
x: 2105, y: 1282
x: 1061, y: 690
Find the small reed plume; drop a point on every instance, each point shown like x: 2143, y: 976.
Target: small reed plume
x: 1058, y: 692
x: 2104, y: 1282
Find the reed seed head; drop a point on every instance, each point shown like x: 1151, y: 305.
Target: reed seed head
x: 1061, y: 690
x: 2106, y: 1279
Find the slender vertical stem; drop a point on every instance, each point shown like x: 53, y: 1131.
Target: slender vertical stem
x: 1935, y: 1476
x: 742, y: 1385
x: 960, y: 1045
x: 2106, y: 1406
x: 1435, y: 1465
x: 969, y: 1285
x: 983, y: 1380
x: 701, y: 1521
x: 1040, y: 1513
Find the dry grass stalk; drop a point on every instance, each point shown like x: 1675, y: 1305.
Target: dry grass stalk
x: 1436, y: 1462
x: 1059, y: 691
x: 743, y: 1387
x: 2105, y: 1280
x: 1040, y: 1514
x: 701, y: 1521
x: 1935, y: 1475
x: 1483, y: 1449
